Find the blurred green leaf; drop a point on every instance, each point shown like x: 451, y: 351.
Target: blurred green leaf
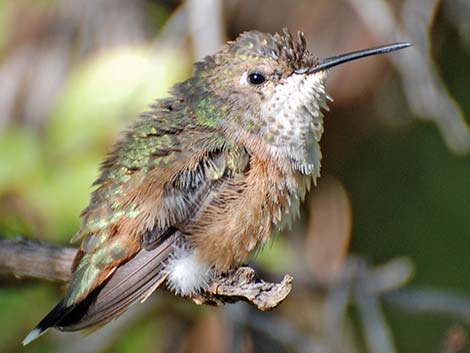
x: 19, y: 158
x: 106, y: 93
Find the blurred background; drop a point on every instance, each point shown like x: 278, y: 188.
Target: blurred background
x: 380, y: 255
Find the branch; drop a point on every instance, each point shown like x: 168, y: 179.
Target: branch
x: 28, y: 259
x: 24, y: 258
x: 245, y: 285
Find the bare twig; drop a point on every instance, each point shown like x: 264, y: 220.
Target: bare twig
x: 434, y: 301
x: 336, y: 304
x: 244, y: 284
x: 377, y: 334
x: 25, y: 258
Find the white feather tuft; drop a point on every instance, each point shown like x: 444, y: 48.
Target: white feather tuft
x: 187, y: 275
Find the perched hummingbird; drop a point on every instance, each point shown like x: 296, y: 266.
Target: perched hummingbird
x: 202, y: 179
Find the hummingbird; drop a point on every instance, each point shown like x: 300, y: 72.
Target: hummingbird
x: 202, y: 179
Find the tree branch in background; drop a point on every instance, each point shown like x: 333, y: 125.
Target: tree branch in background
x: 28, y: 259
x: 23, y: 258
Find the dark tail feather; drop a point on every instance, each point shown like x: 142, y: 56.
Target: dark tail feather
x: 132, y: 281
x: 51, y: 320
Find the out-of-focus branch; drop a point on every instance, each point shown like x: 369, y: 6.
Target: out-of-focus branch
x: 377, y: 334
x: 425, y: 90
x: 434, y: 301
x: 25, y: 258
x: 205, y: 25
x: 286, y: 333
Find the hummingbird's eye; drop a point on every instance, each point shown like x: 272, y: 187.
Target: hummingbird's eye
x: 256, y: 78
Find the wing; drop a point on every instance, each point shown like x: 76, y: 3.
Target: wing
x: 136, y: 278
x: 136, y: 197
x: 154, y: 181
x: 132, y: 281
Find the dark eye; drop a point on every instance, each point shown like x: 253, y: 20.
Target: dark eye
x: 256, y: 78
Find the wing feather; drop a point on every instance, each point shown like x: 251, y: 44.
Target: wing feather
x: 133, y: 280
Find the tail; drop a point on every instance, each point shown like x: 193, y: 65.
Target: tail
x: 51, y: 320
x: 132, y: 281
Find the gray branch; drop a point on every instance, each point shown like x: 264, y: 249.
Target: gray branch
x: 23, y: 258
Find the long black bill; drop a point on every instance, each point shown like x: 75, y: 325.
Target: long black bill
x: 327, y: 63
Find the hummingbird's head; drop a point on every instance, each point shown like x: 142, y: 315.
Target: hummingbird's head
x: 252, y: 87
x: 269, y: 87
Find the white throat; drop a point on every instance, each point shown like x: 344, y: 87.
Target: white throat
x: 294, y: 121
